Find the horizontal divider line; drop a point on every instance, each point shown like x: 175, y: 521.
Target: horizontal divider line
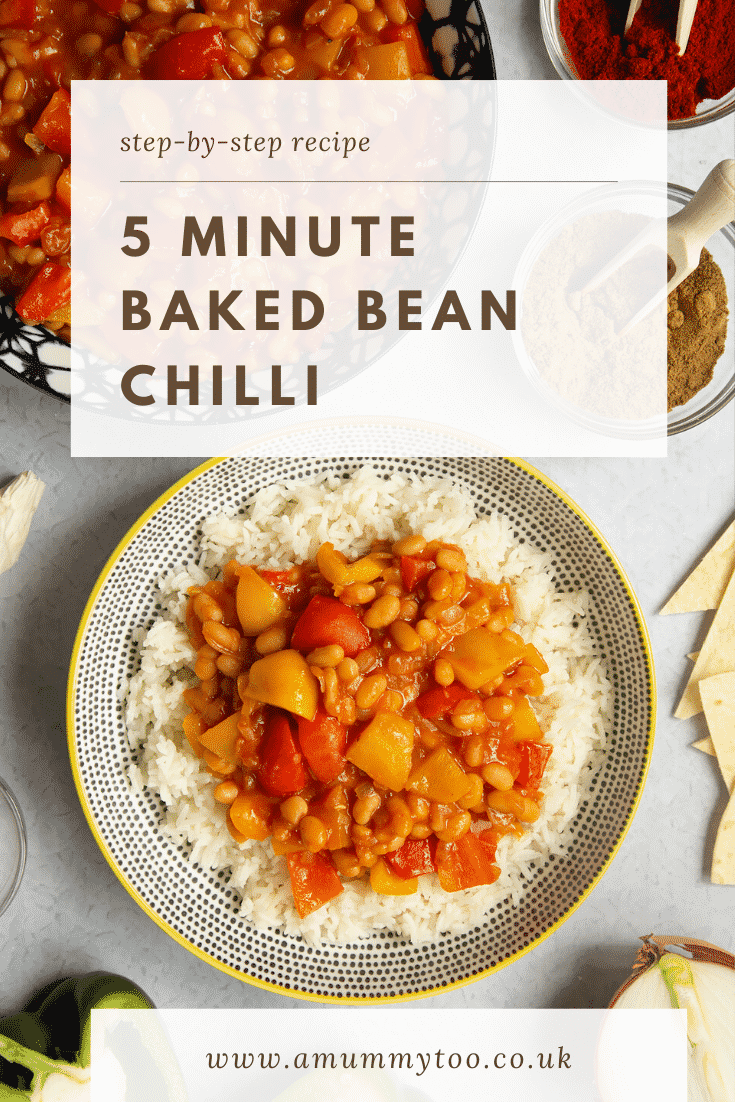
x: 185, y: 183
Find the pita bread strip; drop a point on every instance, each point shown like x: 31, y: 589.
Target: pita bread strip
x: 718, y: 699
x: 706, y: 746
x: 716, y: 655
x: 705, y: 586
x: 723, y: 855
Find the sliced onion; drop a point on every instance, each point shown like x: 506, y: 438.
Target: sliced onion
x: 692, y: 975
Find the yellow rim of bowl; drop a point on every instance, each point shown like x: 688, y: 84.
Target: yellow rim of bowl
x: 305, y: 995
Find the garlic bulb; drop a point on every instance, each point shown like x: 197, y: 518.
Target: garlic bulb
x: 18, y: 502
x: 703, y: 984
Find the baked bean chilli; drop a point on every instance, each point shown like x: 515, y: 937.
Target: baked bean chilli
x: 366, y: 715
x: 46, y: 44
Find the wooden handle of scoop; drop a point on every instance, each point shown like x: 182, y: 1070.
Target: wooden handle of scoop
x: 710, y: 209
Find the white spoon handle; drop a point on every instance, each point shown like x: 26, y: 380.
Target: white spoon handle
x: 687, y: 8
x: 633, y: 7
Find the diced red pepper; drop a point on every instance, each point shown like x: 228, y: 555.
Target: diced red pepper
x: 189, y: 56
x: 468, y: 862
x: 534, y: 759
x: 409, y: 35
x: 49, y: 289
x: 18, y: 13
x: 282, y: 771
x: 56, y: 236
x: 54, y: 125
x: 414, y: 858
x: 415, y: 8
x: 414, y: 570
x: 323, y: 741
x: 276, y: 578
x: 313, y: 881
x: 436, y: 703
x: 324, y: 621
x: 26, y: 227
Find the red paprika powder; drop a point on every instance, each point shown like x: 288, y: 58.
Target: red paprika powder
x: 593, y: 32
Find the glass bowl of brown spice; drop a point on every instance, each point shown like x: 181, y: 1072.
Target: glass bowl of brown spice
x: 576, y: 350
x: 695, y: 398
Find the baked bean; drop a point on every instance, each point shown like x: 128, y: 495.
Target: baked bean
x: 421, y: 831
x: 365, y: 807
x: 417, y: 805
x: 439, y: 584
x: 404, y: 636
x: 473, y: 751
x: 447, y: 557
x: 331, y: 691
x: 409, y: 545
x: 277, y: 36
x: 229, y: 664
x: 348, y: 670
x: 443, y: 672
x: 371, y: 690
x: 15, y: 85
x: 222, y: 639
x: 207, y: 608
x: 313, y: 833
x: 277, y: 62
x: 294, y: 809
x: 469, y: 715
x: 358, y: 593
x: 498, y: 708
x: 498, y: 775
x: 375, y: 20
x: 89, y: 44
x: 391, y: 701
x: 366, y: 659
x: 457, y: 825
x: 316, y: 12
x: 272, y: 640
x: 205, y: 666
x: 382, y: 611
x: 226, y: 792
x: 326, y: 656
x: 473, y: 796
x: 427, y: 630
x: 396, y: 11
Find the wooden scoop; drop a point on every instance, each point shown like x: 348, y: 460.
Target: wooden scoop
x: 684, y: 21
x: 711, y: 208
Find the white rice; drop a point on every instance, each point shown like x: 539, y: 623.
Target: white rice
x: 286, y: 523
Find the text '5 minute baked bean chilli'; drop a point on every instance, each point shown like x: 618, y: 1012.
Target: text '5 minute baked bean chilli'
x: 45, y: 44
x: 367, y: 715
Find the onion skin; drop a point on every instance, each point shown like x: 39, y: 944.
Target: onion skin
x: 654, y: 947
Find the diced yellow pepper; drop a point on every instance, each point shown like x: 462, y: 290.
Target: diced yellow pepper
x: 481, y: 655
x: 284, y: 680
x: 386, y: 882
x: 387, y: 61
x: 440, y: 777
x: 384, y: 749
x: 221, y: 738
x: 525, y: 725
x: 259, y: 606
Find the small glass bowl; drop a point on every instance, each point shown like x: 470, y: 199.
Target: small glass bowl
x: 708, y: 110
x: 12, y: 846
x: 711, y: 398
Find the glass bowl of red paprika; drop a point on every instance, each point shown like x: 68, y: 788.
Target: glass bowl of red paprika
x: 584, y: 40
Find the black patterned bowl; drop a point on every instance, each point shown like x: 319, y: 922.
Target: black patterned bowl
x: 457, y: 37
